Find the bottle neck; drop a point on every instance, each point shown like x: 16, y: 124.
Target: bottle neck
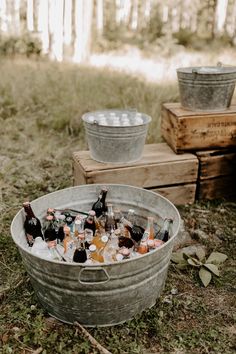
x: 167, y: 224
x: 28, y: 210
x: 103, y: 196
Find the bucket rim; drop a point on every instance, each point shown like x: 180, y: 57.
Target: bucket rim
x: 207, y: 70
x: 148, y: 118
x: 107, y: 264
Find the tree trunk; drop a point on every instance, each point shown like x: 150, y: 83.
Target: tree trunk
x: 43, y: 17
x: 134, y: 18
x: 3, y: 16
x: 83, y: 30
x: 30, y: 15
x: 56, y: 8
x: 99, y: 22
x: 220, y: 16
x: 16, y: 18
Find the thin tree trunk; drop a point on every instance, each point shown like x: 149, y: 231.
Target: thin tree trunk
x: 3, y: 15
x: 30, y: 15
x: 134, y: 19
x: 83, y: 29
x: 100, y: 14
x: 16, y: 18
x: 43, y: 29
x: 220, y: 16
x: 68, y: 22
x: 56, y: 8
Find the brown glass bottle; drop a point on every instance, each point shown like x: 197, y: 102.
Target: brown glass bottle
x: 100, y: 206
x: 164, y: 233
x: 136, y: 231
x: 32, y: 224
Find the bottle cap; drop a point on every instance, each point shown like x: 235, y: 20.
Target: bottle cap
x: 125, y: 252
x: 104, y: 238
x: 78, y: 222
x: 92, y: 248
x: 119, y: 257
x: 158, y: 243
x: 150, y: 243
x: 92, y: 212
x: 62, y: 217
x: 50, y: 210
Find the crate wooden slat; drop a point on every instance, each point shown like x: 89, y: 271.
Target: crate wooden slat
x: 186, y: 130
x: 159, y: 168
x: 217, y: 174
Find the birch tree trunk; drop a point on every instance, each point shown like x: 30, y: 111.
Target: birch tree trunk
x: 83, y: 30
x: 67, y: 35
x: 99, y: 18
x: 56, y: 9
x: 3, y: 16
x: 30, y: 15
x: 220, y: 16
x: 43, y: 17
x: 134, y: 18
x: 16, y: 17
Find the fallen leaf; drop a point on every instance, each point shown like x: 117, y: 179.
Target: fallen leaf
x: 205, y: 276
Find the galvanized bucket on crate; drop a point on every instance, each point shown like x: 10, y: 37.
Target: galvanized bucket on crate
x: 115, y: 144
x: 206, y: 88
x: 110, y: 293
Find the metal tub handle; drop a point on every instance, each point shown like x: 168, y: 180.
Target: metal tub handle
x: 89, y: 275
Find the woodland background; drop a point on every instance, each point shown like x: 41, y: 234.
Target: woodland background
x: 75, y: 29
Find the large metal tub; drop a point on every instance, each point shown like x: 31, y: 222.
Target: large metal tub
x: 110, y: 293
x: 206, y: 88
x: 115, y: 144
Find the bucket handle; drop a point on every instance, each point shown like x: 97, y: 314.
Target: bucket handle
x: 91, y: 271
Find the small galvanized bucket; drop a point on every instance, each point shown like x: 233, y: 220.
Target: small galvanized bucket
x: 112, y: 140
x: 106, y: 294
x: 206, y: 88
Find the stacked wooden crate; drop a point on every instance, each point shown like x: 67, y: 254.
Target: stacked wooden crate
x: 159, y: 170
x: 211, y: 136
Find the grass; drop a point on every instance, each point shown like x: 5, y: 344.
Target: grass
x: 41, y: 105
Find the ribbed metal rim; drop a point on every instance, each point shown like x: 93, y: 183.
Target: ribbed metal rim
x: 207, y: 70
x: 102, y: 264
x: 147, y: 118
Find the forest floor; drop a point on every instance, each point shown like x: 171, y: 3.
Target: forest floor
x: 41, y: 105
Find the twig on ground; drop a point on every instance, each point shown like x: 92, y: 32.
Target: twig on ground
x: 92, y: 340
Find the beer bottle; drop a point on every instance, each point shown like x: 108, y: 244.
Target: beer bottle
x: 136, y: 231
x: 89, y: 222
x: 50, y: 233
x: 149, y: 233
x: 68, y: 244
x: 80, y: 255
x: 110, y: 223
x: 32, y: 224
x: 100, y: 206
x: 164, y: 233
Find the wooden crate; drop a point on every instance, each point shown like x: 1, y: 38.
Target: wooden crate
x: 186, y: 130
x: 217, y: 174
x: 160, y: 170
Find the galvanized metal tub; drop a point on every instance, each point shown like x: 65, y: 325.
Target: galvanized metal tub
x: 103, y: 295
x: 206, y: 88
x: 115, y: 144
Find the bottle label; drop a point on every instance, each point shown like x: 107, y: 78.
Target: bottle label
x: 30, y: 239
